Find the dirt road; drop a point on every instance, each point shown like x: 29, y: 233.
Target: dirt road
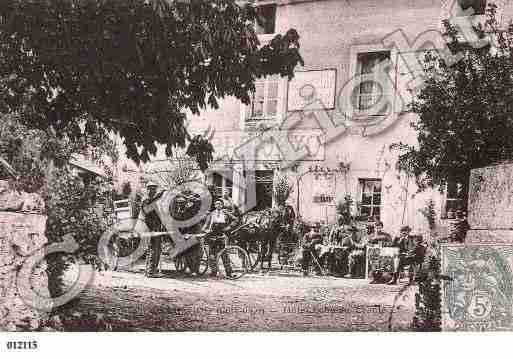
x: 275, y: 301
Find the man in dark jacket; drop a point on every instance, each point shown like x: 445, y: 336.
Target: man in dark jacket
x: 343, y: 236
x: 154, y: 224
x: 411, y: 252
x: 380, y: 237
x: 310, y: 240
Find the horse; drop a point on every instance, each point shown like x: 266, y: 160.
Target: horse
x: 258, y: 235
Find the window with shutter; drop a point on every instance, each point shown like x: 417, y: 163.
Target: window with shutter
x: 265, y: 17
x: 410, y: 75
x: 454, y: 199
x: 370, y: 205
x: 374, y: 84
x: 265, y: 101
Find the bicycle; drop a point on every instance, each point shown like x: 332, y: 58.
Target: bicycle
x: 250, y: 244
x: 182, y: 264
x: 233, y: 254
x: 318, y: 266
x: 287, y: 243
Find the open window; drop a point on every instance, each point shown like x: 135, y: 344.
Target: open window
x: 265, y: 23
x: 370, y: 198
x: 454, y: 199
x: 374, y: 84
x: 222, y: 182
x: 266, y: 103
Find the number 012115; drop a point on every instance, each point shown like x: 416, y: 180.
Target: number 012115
x: 21, y: 345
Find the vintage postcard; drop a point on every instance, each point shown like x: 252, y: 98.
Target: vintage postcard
x: 255, y: 166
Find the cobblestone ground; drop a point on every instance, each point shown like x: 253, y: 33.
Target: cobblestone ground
x: 278, y: 300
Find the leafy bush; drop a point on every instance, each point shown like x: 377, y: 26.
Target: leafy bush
x: 428, y: 304
x: 79, y: 210
x: 282, y: 189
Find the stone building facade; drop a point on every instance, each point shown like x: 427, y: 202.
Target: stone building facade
x: 327, y: 108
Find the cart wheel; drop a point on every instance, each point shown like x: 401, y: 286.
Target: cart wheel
x: 203, y: 267
x: 237, y: 258
x: 180, y: 264
x: 254, y: 250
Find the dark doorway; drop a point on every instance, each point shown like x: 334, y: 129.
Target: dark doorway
x: 264, y: 189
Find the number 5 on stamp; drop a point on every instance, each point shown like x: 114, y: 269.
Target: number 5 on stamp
x: 479, y: 295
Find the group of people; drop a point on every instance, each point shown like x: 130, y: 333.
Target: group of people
x: 342, y: 249
x: 219, y: 222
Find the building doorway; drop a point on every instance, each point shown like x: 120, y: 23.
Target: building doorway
x: 264, y: 189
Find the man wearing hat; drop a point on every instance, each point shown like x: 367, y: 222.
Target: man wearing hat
x: 152, y: 221
x: 411, y: 252
x: 310, y: 240
x: 343, y: 235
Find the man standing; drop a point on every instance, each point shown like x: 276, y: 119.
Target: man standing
x: 151, y: 219
x: 216, y: 225
x: 288, y: 216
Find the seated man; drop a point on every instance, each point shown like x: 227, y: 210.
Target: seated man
x: 310, y: 240
x: 379, y: 238
x: 357, y: 256
x: 343, y: 236
x: 411, y: 252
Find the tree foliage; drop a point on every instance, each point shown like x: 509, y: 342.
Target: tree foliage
x: 465, y: 109
x: 35, y: 153
x: 82, y: 211
x: 41, y: 160
x: 132, y: 67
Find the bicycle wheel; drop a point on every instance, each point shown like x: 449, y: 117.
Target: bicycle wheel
x: 232, y: 262
x: 254, y: 249
x: 203, y: 267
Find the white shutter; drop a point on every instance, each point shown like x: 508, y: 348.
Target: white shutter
x: 271, y: 97
x: 409, y: 76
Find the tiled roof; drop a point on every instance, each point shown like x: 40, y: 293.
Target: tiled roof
x: 87, y: 165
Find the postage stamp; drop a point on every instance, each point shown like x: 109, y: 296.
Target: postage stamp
x: 479, y: 295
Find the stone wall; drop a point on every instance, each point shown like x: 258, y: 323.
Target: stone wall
x: 21, y: 235
x: 490, y: 204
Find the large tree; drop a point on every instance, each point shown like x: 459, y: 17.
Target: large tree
x: 133, y: 67
x: 465, y: 109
